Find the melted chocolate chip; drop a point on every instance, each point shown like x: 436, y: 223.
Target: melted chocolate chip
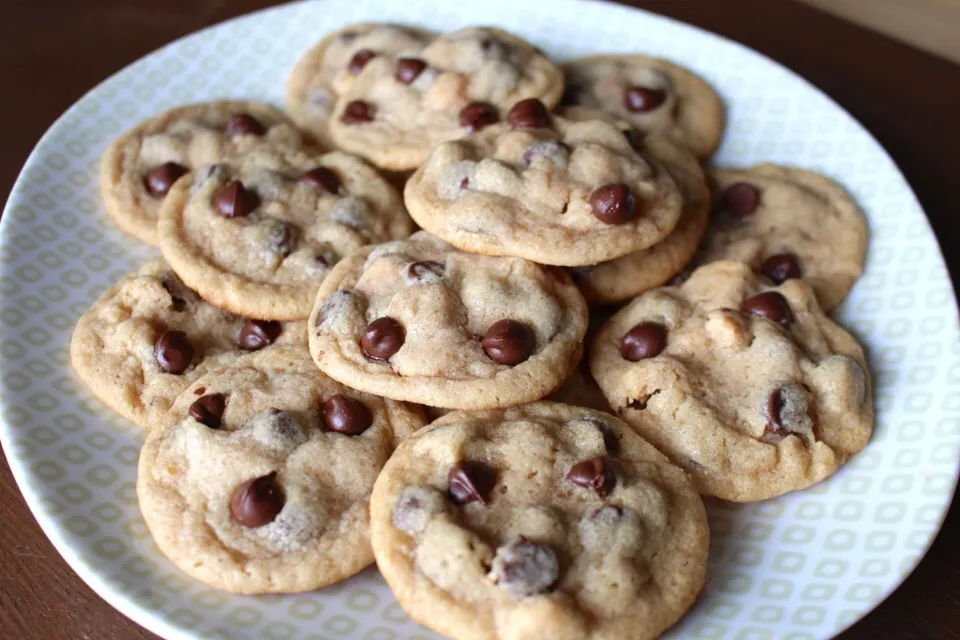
x: 208, y: 410
x: 508, y: 342
x: 360, y: 60
x: 529, y: 114
x: 774, y: 407
x: 346, y: 415
x: 257, y: 334
x: 425, y: 271
x: 781, y: 267
x: 593, y: 473
x: 282, y: 238
x: 770, y: 305
x: 408, y: 69
x: 382, y: 338
x: 159, y: 179
x: 613, y: 204
x: 645, y: 340
x: 357, y: 112
x: 470, y: 481
x: 477, y: 115
x: 244, y: 123
x: 643, y: 99
x: 523, y: 568
x: 257, y: 502
x: 740, y: 199
x: 234, y: 200
x: 322, y: 179
x: 173, y: 352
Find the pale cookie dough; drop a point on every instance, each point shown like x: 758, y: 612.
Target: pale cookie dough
x: 259, y: 479
x: 140, y: 167
x: 653, y: 94
x: 774, y: 212
x: 115, y: 352
x: 624, y: 278
x: 561, y: 192
x: 749, y: 387
x: 540, y: 521
x: 418, y: 320
x: 400, y: 106
x: 312, y: 85
x: 257, y: 236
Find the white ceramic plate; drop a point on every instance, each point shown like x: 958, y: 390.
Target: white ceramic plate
x: 800, y: 567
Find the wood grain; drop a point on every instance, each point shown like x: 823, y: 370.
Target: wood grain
x: 58, y: 49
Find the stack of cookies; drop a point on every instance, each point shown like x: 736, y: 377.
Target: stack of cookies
x: 292, y: 346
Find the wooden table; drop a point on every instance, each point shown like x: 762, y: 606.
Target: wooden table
x: 55, y: 50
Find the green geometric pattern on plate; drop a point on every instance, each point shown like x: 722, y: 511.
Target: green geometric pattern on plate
x: 801, y: 567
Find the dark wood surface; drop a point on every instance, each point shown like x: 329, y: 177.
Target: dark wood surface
x: 53, y: 51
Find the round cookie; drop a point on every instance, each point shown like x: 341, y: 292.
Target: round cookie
x: 311, y: 87
x: 139, y: 168
x: 397, y: 107
x: 418, y: 320
x: 624, y: 278
x: 749, y: 387
x: 652, y: 94
x: 785, y: 223
x: 258, y: 235
x: 539, y: 521
x: 259, y: 479
x: 126, y: 348
x: 544, y: 188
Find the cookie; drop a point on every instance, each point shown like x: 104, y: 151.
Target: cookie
x: 149, y: 337
x: 539, y: 521
x: 312, y: 86
x: 544, y: 188
x: 653, y: 94
x: 418, y: 320
x: 748, y: 386
x: 788, y: 223
x: 259, y: 478
x: 397, y: 107
x: 140, y: 167
x: 256, y: 236
x: 624, y: 278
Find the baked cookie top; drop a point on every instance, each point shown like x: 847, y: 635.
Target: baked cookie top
x: 418, y: 320
x: 539, y: 521
x: 653, y: 94
x: 398, y: 107
x: 149, y: 337
x: 544, y: 188
x: 748, y: 386
x: 257, y: 235
x: 259, y: 478
x: 788, y: 223
x: 312, y: 87
x: 140, y: 167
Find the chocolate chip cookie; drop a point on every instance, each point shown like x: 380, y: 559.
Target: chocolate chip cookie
x: 259, y: 478
x: 141, y: 166
x: 539, y: 521
x: 257, y: 235
x: 418, y: 320
x: 544, y: 188
x: 149, y: 337
x: 747, y: 385
x: 314, y: 83
x: 788, y: 223
x: 394, y: 108
x: 653, y: 94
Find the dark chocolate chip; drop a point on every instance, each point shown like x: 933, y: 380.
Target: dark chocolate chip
x: 257, y: 502
x: 477, y: 115
x: 774, y: 407
x: 429, y: 270
x: 346, y: 415
x: 508, y: 342
x: 233, y: 200
x: 643, y: 99
x: 613, y: 204
x: 360, y: 60
x: 529, y: 114
x: 356, y: 112
x: 645, y: 340
x: 208, y: 410
x: 781, y: 267
x: 244, y: 123
x: 408, y: 69
x: 382, y: 338
x: 740, y: 199
x: 523, y: 568
x: 593, y: 473
x: 322, y: 179
x: 770, y: 305
x: 173, y: 352
x: 470, y: 481
x: 159, y: 179
x: 257, y: 334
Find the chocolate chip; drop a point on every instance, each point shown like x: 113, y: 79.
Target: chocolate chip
x: 740, y: 199
x: 408, y: 69
x: 529, y: 114
x: 470, y: 481
x: 281, y: 238
x: 234, y: 200
x: 208, y: 410
x: 322, y: 179
x: 552, y: 150
x: 523, y: 568
x: 356, y: 112
x: 257, y: 502
x: 774, y: 406
x: 477, y: 115
x: 593, y: 473
x: 613, y: 204
x: 159, y: 179
x: 382, y: 338
x: 645, y: 340
x: 346, y: 415
x: 244, y: 123
x: 787, y: 414
x: 360, y: 60
x: 416, y: 506
x: 173, y: 352
x: 508, y: 342
x: 770, y: 305
x: 257, y: 334
x: 643, y: 99
x: 781, y: 267
x: 426, y: 271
